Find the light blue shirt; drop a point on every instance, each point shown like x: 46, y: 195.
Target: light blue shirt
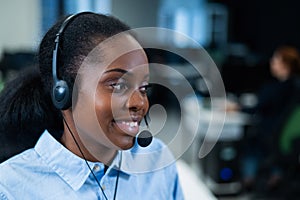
x: 50, y: 171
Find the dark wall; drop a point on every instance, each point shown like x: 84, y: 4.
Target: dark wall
x: 264, y: 24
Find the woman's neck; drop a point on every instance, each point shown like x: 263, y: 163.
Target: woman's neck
x: 95, y: 153
x: 76, y: 146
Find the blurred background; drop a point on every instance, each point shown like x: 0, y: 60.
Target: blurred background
x: 240, y: 37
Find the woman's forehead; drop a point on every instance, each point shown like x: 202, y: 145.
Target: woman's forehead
x: 120, y: 46
x: 118, y: 52
x: 130, y: 59
x: 112, y: 49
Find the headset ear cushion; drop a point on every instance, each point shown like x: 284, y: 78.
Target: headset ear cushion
x: 61, y: 95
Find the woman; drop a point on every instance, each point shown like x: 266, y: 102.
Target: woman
x: 273, y: 100
x: 87, y: 149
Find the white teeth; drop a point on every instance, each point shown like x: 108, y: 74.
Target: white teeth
x: 131, y: 124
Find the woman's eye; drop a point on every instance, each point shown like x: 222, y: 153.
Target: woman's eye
x: 119, y: 87
x: 145, y: 88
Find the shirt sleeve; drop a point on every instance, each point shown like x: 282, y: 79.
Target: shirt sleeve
x: 178, y: 194
x: 4, y: 194
x: 177, y: 190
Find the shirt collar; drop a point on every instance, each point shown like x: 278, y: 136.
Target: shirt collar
x: 67, y: 165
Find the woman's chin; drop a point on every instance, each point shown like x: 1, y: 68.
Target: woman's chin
x: 127, y: 143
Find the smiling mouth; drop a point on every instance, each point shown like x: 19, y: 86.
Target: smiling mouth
x: 131, y: 124
x: 129, y: 127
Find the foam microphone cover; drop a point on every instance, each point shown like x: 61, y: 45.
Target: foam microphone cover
x: 144, y: 139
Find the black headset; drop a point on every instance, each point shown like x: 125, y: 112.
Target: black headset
x: 61, y: 93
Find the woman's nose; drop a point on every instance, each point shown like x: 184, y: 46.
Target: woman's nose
x: 137, y: 101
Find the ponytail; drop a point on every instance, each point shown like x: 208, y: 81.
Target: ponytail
x: 26, y: 111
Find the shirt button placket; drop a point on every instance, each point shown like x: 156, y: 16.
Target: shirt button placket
x: 96, y: 168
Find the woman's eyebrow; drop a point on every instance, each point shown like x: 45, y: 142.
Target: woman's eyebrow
x: 123, y: 71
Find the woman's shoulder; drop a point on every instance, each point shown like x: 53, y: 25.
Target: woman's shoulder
x: 15, y: 167
x: 154, y: 157
x: 18, y: 158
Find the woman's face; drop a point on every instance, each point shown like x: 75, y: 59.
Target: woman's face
x: 278, y: 68
x: 112, y: 99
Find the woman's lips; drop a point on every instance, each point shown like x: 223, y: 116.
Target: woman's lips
x: 129, y: 127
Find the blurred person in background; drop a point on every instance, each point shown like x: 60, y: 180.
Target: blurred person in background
x: 272, y: 100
